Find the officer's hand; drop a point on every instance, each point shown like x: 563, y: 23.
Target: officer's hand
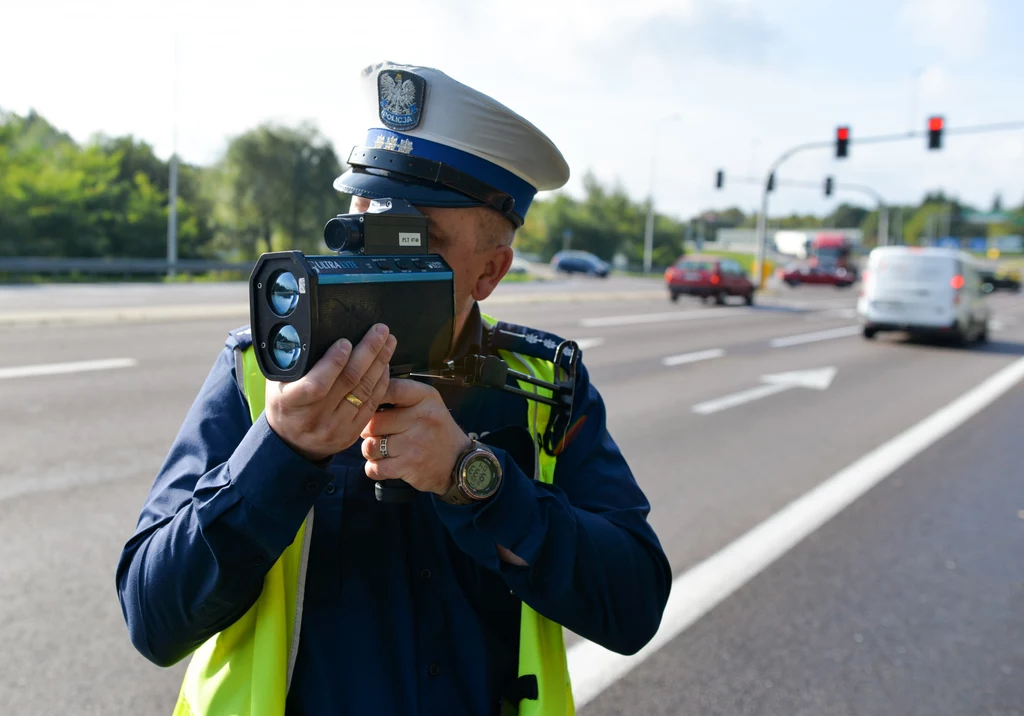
x: 423, y: 440
x: 312, y: 415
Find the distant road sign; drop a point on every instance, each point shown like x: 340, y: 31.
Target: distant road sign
x: 1009, y: 244
x: 948, y: 242
x: 979, y: 244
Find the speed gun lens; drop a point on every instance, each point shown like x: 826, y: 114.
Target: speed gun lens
x: 285, y: 347
x: 284, y: 294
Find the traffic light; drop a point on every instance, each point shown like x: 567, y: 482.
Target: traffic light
x: 935, y: 125
x: 719, y: 179
x: 842, y: 139
x: 771, y: 182
x: 828, y: 186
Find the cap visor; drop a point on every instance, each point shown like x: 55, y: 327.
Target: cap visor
x: 376, y: 186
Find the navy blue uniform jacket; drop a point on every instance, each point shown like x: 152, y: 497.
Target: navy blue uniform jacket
x: 407, y: 608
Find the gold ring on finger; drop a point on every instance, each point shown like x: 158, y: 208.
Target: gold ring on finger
x: 353, y: 399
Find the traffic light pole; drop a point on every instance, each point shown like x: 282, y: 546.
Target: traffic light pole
x: 762, y: 218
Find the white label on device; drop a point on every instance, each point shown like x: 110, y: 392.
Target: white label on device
x: 408, y: 239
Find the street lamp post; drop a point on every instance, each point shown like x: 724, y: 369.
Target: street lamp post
x: 172, y: 198
x: 649, y: 226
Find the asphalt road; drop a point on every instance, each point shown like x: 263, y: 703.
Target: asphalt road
x: 909, y: 601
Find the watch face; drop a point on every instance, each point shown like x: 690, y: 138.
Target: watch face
x: 480, y: 476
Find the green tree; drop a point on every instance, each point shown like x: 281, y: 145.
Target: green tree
x: 273, y: 190
x: 138, y: 210
x: 924, y: 222
x: 605, y: 222
x: 108, y: 198
x: 846, y: 216
x: 731, y: 217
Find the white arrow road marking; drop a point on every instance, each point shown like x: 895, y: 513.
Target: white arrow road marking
x: 828, y: 335
x: 706, y: 585
x: 818, y: 379
x: 663, y: 317
x: 31, y: 371
x: 585, y: 343
x: 692, y: 357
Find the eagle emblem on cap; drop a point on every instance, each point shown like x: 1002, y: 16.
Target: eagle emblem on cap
x: 401, y: 99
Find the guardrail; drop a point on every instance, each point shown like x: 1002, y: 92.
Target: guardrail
x: 40, y: 265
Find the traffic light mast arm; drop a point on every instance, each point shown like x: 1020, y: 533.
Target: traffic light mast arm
x: 946, y: 129
x: 883, y: 209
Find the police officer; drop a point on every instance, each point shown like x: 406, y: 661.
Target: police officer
x: 261, y: 549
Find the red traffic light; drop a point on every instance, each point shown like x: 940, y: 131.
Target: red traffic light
x: 842, y: 139
x: 935, y: 126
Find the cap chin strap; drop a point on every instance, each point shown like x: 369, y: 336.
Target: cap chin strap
x: 435, y: 173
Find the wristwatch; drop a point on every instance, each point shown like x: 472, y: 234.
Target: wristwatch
x: 475, y: 477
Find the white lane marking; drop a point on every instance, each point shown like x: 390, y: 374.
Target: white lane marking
x: 662, y: 317
x: 825, y: 305
x: 746, y: 396
x: 31, y: 371
x: 694, y: 593
x: 817, y: 379
x: 684, y: 358
x: 585, y: 343
x: 802, y: 338
x: 832, y: 313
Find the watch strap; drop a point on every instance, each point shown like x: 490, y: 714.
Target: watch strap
x: 455, y: 494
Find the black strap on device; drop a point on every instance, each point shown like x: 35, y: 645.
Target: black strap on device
x: 492, y: 372
x: 524, y: 687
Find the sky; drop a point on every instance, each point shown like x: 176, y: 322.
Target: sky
x: 672, y: 90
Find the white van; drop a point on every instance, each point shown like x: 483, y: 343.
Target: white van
x: 924, y: 290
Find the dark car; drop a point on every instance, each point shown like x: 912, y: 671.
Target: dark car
x: 797, y: 274
x: 1001, y: 280
x: 708, y: 277
x: 579, y: 262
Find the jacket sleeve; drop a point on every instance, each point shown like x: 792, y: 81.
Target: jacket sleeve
x: 595, y: 564
x: 228, y: 500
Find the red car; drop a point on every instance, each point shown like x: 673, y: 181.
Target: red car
x: 708, y: 277
x: 811, y: 274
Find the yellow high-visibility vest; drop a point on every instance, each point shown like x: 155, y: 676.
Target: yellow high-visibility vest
x: 246, y: 669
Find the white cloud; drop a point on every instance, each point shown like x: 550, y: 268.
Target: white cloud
x: 596, y: 77
x: 935, y: 84
x: 958, y: 27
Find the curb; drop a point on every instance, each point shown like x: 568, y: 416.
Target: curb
x: 142, y: 314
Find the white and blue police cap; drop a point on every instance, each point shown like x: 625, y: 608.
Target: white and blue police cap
x: 436, y: 142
